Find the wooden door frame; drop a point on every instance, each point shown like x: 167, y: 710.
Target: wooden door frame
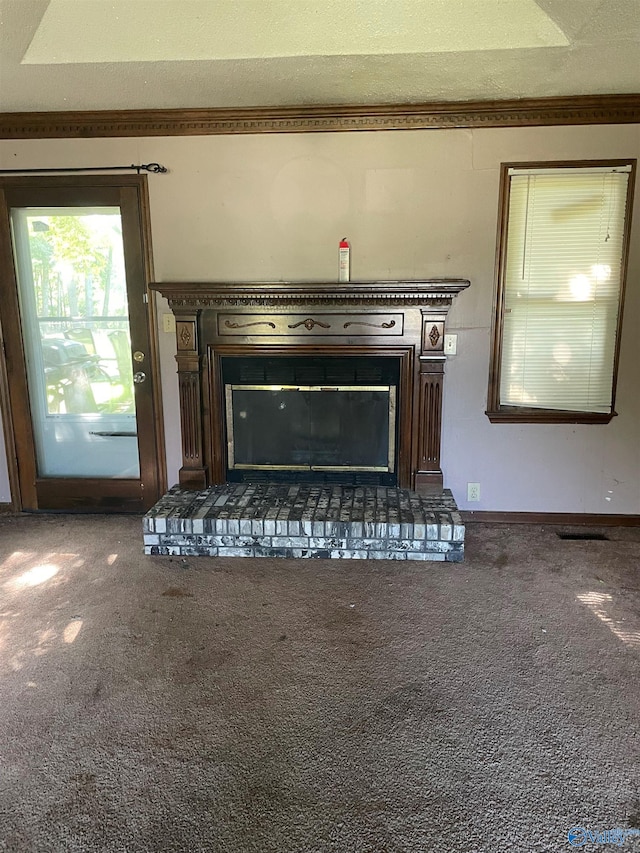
x: 14, y: 398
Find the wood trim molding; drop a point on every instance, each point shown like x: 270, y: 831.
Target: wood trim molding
x: 275, y: 295
x: 154, y: 343
x: 216, y: 435
x: 579, y: 109
x: 6, y: 262
x: 504, y: 413
x: 516, y: 415
x: 429, y: 473
x: 292, y: 326
x: 566, y: 518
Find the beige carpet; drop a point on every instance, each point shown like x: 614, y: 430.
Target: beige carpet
x: 162, y: 704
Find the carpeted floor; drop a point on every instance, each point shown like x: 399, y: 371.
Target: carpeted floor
x: 239, y: 705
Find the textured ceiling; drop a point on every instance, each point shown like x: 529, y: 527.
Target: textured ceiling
x: 176, y: 30
x: 131, y: 54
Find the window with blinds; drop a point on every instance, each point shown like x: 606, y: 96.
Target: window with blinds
x: 562, y: 256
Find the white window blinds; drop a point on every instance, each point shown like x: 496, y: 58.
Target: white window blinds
x: 562, y: 287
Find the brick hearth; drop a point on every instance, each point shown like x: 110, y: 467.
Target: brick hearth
x: 304, y: 521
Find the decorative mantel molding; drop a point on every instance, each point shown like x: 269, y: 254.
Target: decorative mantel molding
x: 277, y: 295
x: 302, y: 318
x: 521, y: 112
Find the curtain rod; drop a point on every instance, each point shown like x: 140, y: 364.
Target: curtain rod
x: 148, y: 167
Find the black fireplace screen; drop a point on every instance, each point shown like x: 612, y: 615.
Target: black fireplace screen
x: 331, y: 417
x: 311, y: 428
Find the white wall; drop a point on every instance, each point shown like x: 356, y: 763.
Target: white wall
x: 414, y: 204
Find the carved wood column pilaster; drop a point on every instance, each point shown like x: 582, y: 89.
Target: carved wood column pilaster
x: 429, y: 401
x: 193, y: 474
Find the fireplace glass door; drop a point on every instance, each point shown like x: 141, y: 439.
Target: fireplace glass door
x: 317, y: 430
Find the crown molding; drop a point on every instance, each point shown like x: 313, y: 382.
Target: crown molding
x: 581, y: 109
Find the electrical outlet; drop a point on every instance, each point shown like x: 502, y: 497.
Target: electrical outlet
x: 473, y: 492
x: 168, y: 323
x: 450, y: 344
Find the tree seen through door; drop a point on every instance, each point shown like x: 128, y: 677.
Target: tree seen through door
x: 81, y: 307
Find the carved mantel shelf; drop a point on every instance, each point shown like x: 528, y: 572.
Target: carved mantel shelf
x: 280, y: 294
x: 403, y: 320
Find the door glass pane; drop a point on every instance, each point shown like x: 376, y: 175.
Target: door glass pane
x: 73, y: 300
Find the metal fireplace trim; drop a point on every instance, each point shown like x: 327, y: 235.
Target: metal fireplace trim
x: 241, y: 466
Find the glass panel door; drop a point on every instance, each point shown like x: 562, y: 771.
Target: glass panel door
x: 73, y: 300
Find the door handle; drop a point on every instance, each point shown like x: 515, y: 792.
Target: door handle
x: 139, y: 377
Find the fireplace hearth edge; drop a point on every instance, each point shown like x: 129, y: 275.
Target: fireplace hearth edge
x: 305, y: 521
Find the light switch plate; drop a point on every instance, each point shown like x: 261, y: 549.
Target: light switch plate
x: 168, y: 323
x: 450, y: 344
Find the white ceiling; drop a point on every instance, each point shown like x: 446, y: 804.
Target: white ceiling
x: 202, y: 30
x: 134, y: 54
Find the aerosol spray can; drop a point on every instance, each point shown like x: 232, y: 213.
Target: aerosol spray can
x: 343, y: 260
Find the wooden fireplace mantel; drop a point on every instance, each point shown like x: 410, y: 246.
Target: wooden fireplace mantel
x: 400, y: 319
x: 284, y: 293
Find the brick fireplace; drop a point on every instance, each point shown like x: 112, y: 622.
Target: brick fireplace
x: 329, y: 386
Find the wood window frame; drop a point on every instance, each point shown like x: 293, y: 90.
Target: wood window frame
x: 497, y: 412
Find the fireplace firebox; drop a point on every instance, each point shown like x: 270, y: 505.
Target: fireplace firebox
x: 319, y: 419
x: 311, y: 381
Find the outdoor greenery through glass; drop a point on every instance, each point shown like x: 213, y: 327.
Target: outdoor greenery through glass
x: 81, y: 308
